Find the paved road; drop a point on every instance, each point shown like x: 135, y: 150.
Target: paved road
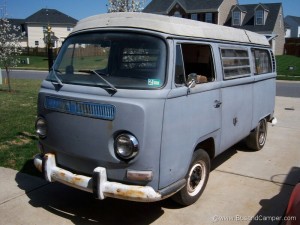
x: 283, y: 88
x: 27, y: 74
x: 288, y: 89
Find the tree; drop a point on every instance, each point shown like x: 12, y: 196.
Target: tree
x: 125, y: 5
x: 10, y: 47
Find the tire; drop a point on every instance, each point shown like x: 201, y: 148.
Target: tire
x: 196, y: 179
x: 257, y: 139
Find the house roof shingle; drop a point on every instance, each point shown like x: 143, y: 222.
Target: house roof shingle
x: 17, y: 23
x: 294, y: 18
x: 249, y: 20
x: 51, y: 16
x: 163, y: 7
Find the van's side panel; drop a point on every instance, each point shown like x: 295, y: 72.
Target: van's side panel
x: 187, y: 119
x: 236, y: 110
x: 264, y: 92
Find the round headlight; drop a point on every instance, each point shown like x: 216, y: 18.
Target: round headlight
x: 41, y: 127
x: 126, y: 146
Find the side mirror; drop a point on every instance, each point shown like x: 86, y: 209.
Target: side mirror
x: 191, y: 83
x: 191, y: 80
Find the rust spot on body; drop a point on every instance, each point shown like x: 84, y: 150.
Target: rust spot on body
x: 110, y: 125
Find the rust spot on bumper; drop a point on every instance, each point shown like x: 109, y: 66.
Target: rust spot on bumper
x: 62, y: 174
x: 77, y: 180
x: 131, y: 193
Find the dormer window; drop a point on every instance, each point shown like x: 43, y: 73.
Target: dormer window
x: 177, y: 14
x: 236, y: 15
x: 208, y: 17
x: 259, y: 17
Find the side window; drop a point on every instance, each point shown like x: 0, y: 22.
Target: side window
x: 197, y: 63
x: 236, y: 63
x: 261, y: 61
x: 179, y: 67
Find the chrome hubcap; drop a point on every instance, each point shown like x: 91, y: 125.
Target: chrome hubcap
x: 196, y: 178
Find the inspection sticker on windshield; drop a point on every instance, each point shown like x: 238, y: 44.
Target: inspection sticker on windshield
x: 153, y: 82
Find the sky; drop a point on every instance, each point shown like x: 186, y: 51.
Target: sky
x: 79, y: 9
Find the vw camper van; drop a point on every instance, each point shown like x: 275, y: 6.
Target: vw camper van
x: 137, y: 105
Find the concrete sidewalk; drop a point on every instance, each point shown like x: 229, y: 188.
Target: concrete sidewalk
x: 243, y: 185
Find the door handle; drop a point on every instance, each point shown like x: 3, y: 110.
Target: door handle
x: 217, y: 104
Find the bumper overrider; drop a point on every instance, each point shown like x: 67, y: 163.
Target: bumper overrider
x: 97, y: 184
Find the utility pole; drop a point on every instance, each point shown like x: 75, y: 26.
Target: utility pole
x: 3, y: 10
x: 48, y: 39
x: 3, y: 14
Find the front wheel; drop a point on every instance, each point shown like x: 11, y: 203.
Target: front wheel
x: 257, y: 139
x: 196, y: 179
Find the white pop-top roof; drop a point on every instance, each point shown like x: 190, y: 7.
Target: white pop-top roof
x: 169, y: 25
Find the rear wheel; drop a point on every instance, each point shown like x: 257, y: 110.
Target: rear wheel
x: 196, y: 179
x: 257, y: 139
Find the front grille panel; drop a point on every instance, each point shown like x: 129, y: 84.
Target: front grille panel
x: 88, y: 109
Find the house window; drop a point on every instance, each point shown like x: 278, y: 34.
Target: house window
x: 208, y: 17
x: 259, y: 17
x: 194, y: 16
x: 236, y: 18
x: 177, y: 14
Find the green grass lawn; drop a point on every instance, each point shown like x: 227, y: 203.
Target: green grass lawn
x: 35, y: 62
x: 18, y: 141
x: 284, y: 62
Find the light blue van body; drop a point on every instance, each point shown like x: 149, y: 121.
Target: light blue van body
x: 169, y: 119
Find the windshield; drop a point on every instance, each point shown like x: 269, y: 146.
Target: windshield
x: 124, y: 60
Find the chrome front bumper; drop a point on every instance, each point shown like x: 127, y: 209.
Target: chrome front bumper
x: 97, y: 184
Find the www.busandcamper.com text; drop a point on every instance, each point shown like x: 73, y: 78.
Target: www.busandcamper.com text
x: 239, y: 218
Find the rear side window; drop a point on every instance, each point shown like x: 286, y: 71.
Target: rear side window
x: 236, y: 63
x: 261, y: 61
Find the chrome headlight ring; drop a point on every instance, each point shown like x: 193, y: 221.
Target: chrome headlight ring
x: 126, y: 146
x: 41, y: 127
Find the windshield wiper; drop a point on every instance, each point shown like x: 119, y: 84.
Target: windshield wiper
x: 113, y: 88
x: 56, y: 77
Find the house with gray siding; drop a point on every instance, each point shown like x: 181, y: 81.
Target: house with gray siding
x: 20, y: 24
x: 213, y: 11
x: 37, y: 24
x: 265, y: 19
x: 293, y: 25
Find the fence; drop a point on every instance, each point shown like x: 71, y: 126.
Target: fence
x: 28, y: 51
x: 292, y: 46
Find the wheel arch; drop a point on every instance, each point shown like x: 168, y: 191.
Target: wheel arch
x: 208, y: 145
